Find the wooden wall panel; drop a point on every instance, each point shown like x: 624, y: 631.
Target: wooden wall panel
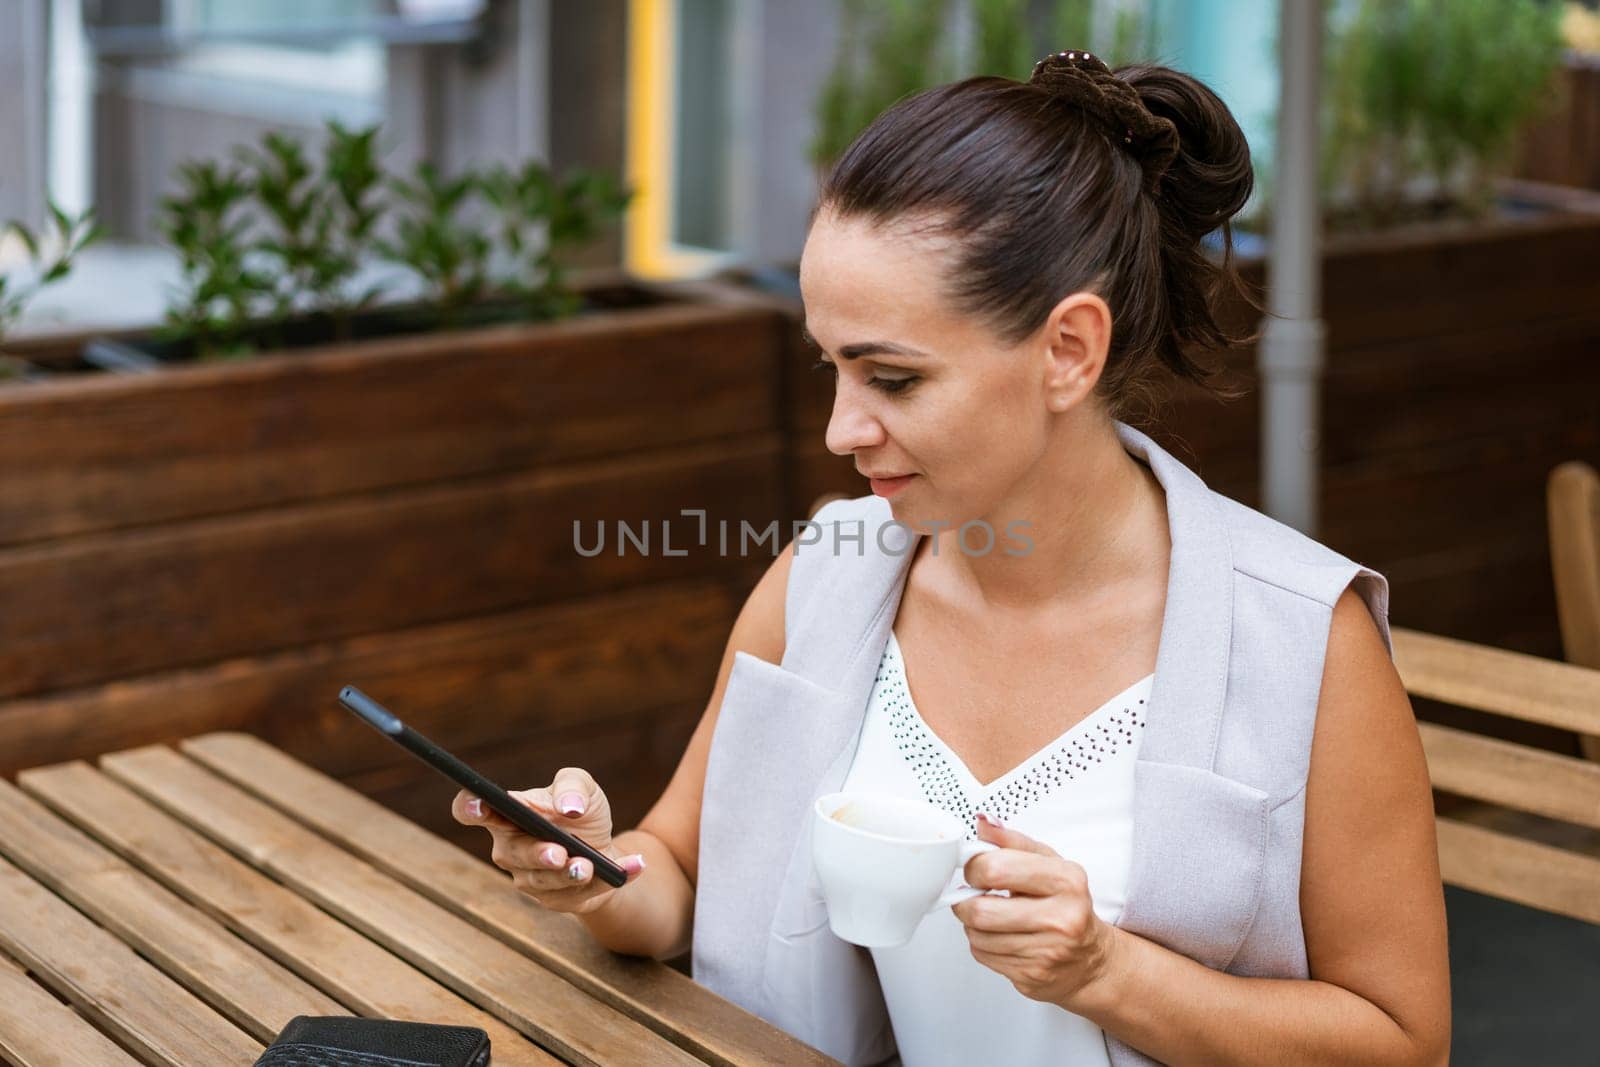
x: 813, y: 470
x: 223, y: 547
x: 112, y: 451
x: 1429, y: 282
x: 474, y: 683
x: 1515, y: 389
x: 1563, y: 145
x: 135, y: 602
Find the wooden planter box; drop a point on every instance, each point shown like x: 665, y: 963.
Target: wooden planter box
x: 1563, y: 146
x: 1463, y: 365
x: 223, y: 546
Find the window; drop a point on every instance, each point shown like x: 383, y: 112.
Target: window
x: 682, y: 150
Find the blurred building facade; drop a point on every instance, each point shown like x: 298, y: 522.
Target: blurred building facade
x: 707, y: 105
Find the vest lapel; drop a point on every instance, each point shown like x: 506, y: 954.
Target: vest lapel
x: 831, y: 655
x: 1196, y: 627
x: 1199, y: 839
x: 805, y: 980
x: 839, y: 631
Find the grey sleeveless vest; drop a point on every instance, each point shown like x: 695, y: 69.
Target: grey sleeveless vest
x: 1219, y: 786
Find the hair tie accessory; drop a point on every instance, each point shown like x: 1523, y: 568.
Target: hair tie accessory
x: 1082, y: 79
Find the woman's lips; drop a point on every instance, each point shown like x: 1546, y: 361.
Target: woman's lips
x: 889, y: 486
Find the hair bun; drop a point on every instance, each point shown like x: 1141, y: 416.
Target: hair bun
x: 1210, y: 176
x: 1083, y: 80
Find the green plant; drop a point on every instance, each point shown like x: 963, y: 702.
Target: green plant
x: 1003, y: 44
x: 449, y: 253
x: 888, y: 50
x: 291, y: 202
x: 1133, y: 37
x: 1429, y: 94
x: 355, y: 183
x: 51, y: 252
x: 208, y: 224
x: 317, y: 227
x: 540, y: 217
x: 1071, y: 25
x: 276, y: 235
x: 892, y: 48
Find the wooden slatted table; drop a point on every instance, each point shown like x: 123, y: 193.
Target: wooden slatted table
x: 177, y: 906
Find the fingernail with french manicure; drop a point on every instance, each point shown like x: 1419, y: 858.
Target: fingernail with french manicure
x: 475, y: 808
x: 571, y: 804
x: 549, y: 856
x: 633, y: 864
x: 578, y: 871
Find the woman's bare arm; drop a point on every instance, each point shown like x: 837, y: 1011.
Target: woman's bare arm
x: 654, y: 914
x: 1371, y: 904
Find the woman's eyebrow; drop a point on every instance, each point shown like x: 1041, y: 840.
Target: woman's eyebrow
x: 865, y: 348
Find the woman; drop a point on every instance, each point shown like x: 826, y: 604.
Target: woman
x: 1220, y: 845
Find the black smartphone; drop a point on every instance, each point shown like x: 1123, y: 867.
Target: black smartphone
x: 519, y: 814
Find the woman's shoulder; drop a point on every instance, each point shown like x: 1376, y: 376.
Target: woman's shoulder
x: 1274, y: 554
x: 806, y: 570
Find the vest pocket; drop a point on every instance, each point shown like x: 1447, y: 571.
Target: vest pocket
x: 1199, y: 860
x: 826, y: 992
x: 776, y: 733
x: 803, y: 910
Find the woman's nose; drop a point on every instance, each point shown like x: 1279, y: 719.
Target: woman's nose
x: 851, y: 426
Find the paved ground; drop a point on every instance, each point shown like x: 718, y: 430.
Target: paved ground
x: 1525, y: 985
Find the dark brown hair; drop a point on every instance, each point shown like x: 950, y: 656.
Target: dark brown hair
x: 1046, y: 195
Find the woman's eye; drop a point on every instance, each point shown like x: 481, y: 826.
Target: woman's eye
x: 887, y: 385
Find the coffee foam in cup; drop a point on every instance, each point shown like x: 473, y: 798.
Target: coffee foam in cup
x: 854, y: 815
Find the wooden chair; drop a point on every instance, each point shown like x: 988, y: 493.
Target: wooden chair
x: 1496, y: 849
x: 1572, y: 500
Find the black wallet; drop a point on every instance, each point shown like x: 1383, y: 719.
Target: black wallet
x: 345, y: 1041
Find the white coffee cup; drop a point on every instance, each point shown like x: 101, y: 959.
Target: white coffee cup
x: 884, y: 862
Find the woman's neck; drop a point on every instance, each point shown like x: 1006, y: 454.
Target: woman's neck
x: 1096, y: 518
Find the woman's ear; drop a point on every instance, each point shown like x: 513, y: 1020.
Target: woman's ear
x: 1077, y: 338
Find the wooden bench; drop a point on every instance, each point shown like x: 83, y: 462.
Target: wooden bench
x: 1504, y: 845
x: 1572, y: 499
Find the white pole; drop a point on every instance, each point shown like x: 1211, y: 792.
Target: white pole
x: 32, y: 44
x: 70, y: 109
x: 1290, y: 358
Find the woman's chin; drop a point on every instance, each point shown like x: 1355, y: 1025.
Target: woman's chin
x: 912, y: 517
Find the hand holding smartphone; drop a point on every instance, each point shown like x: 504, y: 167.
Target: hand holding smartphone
x: 498, y: 800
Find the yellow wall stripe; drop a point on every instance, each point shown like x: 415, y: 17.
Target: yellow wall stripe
x: 648, y: 249
x: 649, y: 113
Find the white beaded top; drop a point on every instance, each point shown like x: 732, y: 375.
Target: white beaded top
x: 1075, y: 795
x: 1110, y: 731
